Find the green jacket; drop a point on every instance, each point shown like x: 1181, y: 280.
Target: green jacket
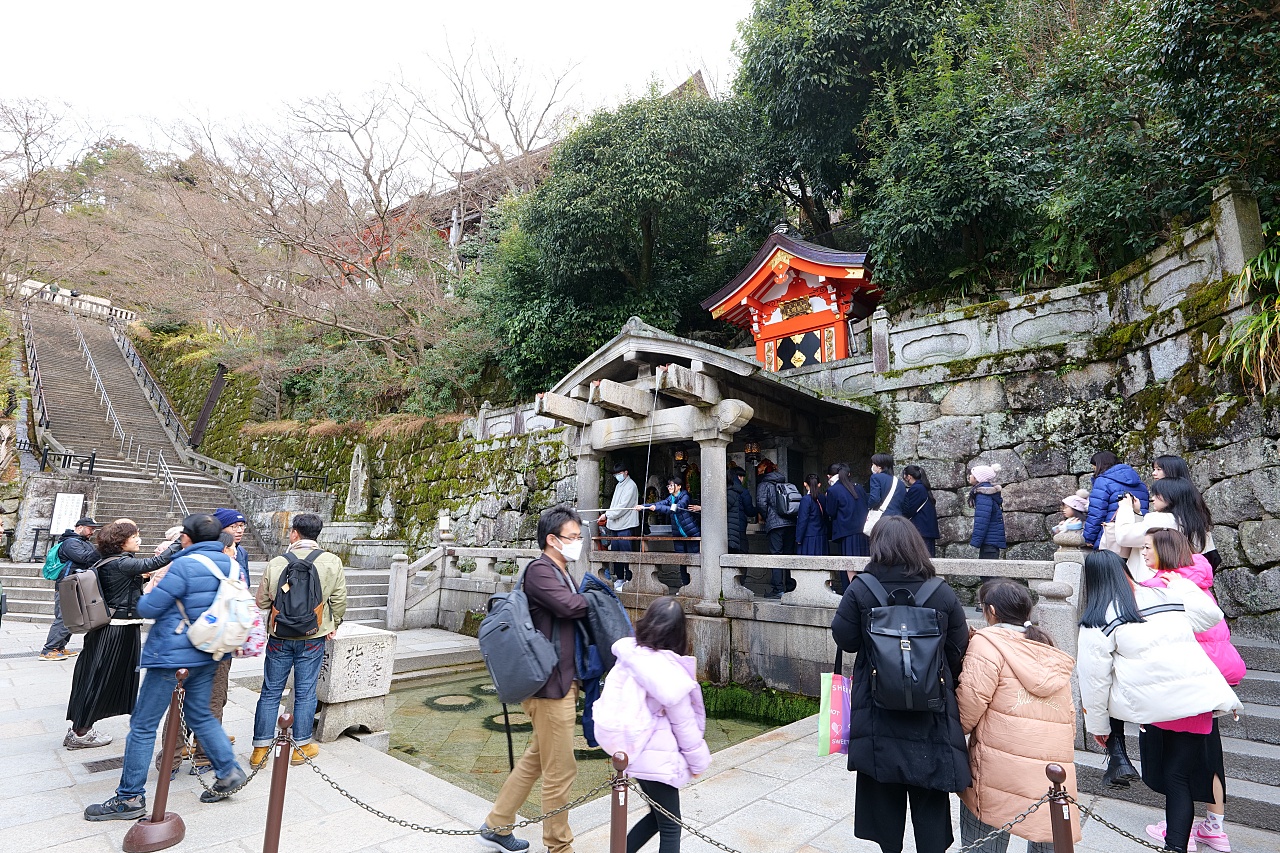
x: 333, y: 585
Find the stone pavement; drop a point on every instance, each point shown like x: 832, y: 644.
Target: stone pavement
x: 769, y: 794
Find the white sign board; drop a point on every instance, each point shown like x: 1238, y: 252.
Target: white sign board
x: 66, y: 512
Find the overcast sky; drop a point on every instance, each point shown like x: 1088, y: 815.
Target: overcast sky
x: 127, y: 63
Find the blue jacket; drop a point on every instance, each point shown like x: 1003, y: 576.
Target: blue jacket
x: 1104, y: 498
x: 922, y: 511
x: 811, y: 528
x: 879, y: 489
x: 683, y: 522
x: 988, y: 516
x: 739, y: 510
x: 190, y: 582
x: 846, y: 512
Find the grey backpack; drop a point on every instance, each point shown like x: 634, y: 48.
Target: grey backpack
x: 84, y: 608
x: 519, y: 657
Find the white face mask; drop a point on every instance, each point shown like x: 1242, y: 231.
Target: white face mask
x: 571, y: 551
x: 619, y: 477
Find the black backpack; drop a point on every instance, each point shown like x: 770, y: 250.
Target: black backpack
x: 786, y: 500
x: 607, y: 621
x: 906, y: 649
x: 299, y: 601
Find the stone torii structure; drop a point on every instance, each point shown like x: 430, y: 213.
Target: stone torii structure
x: 646, y: 387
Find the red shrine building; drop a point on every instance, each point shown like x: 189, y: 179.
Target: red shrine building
x: 798, y: 300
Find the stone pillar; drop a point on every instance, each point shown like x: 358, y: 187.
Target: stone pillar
x: 1236, y: 225
x: 880, y: 340
x: 448, y: 567
x: 588, y: 499
x: 715, y: 509
x: 354, y: 681
x: 397, y: 591
x: 1069, y: 563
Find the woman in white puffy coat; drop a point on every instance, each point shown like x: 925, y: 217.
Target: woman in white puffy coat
x: 1139, y: 660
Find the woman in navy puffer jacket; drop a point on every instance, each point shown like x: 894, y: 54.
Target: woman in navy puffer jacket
x: 1111, y: 480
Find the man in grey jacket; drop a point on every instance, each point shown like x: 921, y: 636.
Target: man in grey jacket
x: 622, y: 519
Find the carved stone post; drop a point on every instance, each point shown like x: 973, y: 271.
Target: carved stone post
x: 880, y: 340
x: 588, y: 498
x: 448, y: 568
x: 1069, y: 563
x: 715, y: 533
x: 397, y: 591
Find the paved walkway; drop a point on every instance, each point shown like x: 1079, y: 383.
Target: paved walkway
x: 769, y: 794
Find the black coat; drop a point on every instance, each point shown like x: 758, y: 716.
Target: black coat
x: 921, y: 510
x: 121, y: 579
x: 904, y: 747
x: 739, y: 509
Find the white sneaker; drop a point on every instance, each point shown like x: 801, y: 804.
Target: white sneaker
x: 617, y: 585
x: 88, y: 740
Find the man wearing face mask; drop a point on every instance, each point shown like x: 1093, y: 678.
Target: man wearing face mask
x: 554, y: 607
x: 622, y: 519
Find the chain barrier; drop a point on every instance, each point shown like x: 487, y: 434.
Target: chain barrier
x: 1111, y: 826
x: 190, y: 751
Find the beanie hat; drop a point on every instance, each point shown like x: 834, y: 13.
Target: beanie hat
x: 1079, y: 501
x: 227, y: 516
x: 985, y: 473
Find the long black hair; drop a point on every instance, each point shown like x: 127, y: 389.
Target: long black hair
x: 1102, y: 461
x: 1173, y: 467
x: 841, y: 471
x: 1187, y: 506
x: 896, y: 542
x: 1106, y: 588
x: 917, y: 473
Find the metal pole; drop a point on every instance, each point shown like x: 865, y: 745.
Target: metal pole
x: 618, y: 805
x: 279, y: 777
x: 1059, y: 810
x: 163, y: 829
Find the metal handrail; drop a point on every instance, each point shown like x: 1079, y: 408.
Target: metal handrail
x: 33, y: 367
x: 159, y: 399
x: 257, y: 478
x: 170, y: 484
x: 117, y: 431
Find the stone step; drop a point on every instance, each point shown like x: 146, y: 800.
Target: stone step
x: 1259, y: 723
x: 1258, y: 654
x: 1252, y: 761
x: 35, y: 618
x: 360, y: 589
x: 356, y: 602
x: 20, y: 605
x: 39, y: 595
x: 1248, y: 803
x: 412, y: 665
x: 22, y: 571
x: 1260, y: 688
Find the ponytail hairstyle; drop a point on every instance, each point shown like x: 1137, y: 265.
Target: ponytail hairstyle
x: 1187, y: 506
x: 1173, y: 550
x: 1107, y: 591
x: 814, y: 482
x: 917, y: 473
x: 841, y: 470
x: 1012, y: 604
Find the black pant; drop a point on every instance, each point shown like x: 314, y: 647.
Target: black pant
x: 621, y: 571
x: 1182, y: 772
x: 782, y: 540
x: 880, y: 815
x: 667, y: 829
x: 931, y: 545
x: 988, y: 552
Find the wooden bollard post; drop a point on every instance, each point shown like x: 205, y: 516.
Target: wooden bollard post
x: 163, y: 829
x: 279, y: 777
x: 618, y: 805
x: 1059, y: 810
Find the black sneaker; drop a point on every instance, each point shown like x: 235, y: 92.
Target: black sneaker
x: 494, y: 841
x: 118, y: 808
x: 222, y: 788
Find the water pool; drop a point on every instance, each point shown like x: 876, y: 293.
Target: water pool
x: 452, y: 728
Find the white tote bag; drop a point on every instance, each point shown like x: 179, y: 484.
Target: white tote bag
x: 874, y: 516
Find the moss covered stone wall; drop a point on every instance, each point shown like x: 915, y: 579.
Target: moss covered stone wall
x: 177, y: 363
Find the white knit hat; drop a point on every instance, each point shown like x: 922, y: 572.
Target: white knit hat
x: 985, y: 473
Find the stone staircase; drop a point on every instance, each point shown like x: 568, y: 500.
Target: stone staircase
x: 1251, y: 746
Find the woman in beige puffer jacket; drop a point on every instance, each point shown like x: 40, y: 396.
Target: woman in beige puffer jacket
x: 1015, y: 705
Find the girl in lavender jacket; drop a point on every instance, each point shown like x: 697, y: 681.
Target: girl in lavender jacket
x: 676, y: 753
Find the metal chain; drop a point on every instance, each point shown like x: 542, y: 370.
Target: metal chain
x: 590, y: 795
x: 1111, y: 826
x: 996, y: 833
x: 190, y: 752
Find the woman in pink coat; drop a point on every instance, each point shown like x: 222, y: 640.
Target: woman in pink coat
x: 671, y: 708
x: 1167, y: 551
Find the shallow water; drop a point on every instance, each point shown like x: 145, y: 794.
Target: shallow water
x: 452, y: 728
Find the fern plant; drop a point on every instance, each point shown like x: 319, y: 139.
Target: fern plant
x: 1253, y: 346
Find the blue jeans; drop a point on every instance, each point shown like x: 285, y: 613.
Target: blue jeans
x: 304, y: 658
x: 153, y: 701
x: 58, y: 633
